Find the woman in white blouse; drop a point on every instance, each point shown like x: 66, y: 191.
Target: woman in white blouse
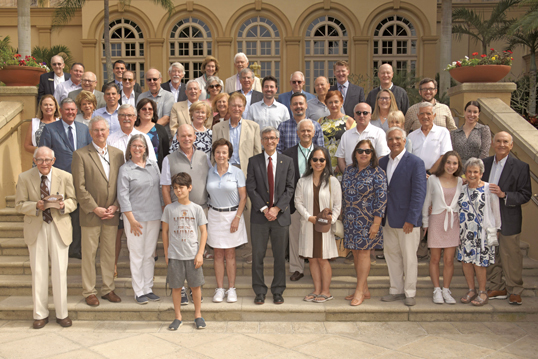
x: 47, y: 112
x: 316, y: 190
x: 440, y: 220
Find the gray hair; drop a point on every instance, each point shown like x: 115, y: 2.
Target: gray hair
x: 126, y: 106
x: 41, y: 148
x: 303, y: 121
x: 211, y: 79
x: 66, y: 100
x: 425, y: 104
x: 138, y: 137
x: 192, y: 82
x: 178, y: 65
x: 246, y: 70
x: 472, y: 162
x: 97, y: 119
x: 295, y: 73
x: 270, y: 129
x: 240, y: 54
x: 396, y: 129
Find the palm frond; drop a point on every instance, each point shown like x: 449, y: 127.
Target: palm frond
x: 65, y: 11
x: 44, y: 54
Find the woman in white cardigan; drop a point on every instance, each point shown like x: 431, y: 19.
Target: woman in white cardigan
x: 442, y: 222
x: 316, y: 190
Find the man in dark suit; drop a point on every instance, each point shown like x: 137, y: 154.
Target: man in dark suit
x: 297, y: 83
x: 509, y: 179
x: 176, y: 71
x: 406, y: 192
x: 127, y: 94
x: 119, y: 67
x: 352, y: 94
x: 89, y: 81
x: 64, y: 137
x: 299, y: 154
x: 49, y: 80
x: 269, y: 185
x: 385, y: 73
x: 246, y: 77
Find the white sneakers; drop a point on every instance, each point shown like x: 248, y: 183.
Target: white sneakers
x: 443, y: 296
x: 448, y: 297
x: 220, y: 294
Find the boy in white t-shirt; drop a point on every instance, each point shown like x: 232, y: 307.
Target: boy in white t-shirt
x: 181, y: 222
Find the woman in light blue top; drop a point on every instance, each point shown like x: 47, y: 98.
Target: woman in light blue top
x: 226, y: 225
x: 140, y: 199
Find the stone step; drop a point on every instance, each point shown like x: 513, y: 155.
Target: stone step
x: 341, y: 286
x: 10, y: 201
x: 293, y: 310
x: 9, y: 214
x: 11, y: 229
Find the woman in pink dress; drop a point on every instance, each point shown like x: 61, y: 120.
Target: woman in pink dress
x: 441, y: 222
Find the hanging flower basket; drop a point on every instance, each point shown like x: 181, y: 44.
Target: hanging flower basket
x: 14, y: 75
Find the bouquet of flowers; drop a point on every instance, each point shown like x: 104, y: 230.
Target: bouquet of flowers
x: 492, y: 58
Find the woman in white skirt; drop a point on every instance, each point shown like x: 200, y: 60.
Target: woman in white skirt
x: 226, y: 225
x: 316, y: 190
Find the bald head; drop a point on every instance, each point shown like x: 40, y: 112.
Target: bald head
x: 186, y: 137
x: 89, y: 81
x: 385, y: 74
x: 502, y: 144
x: 57, y: 63
x: 503, y: 134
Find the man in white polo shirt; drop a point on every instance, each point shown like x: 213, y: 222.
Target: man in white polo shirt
x: 363, y: 131
x: 430, y: 142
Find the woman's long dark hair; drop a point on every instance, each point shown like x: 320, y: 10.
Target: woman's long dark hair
x: 143, y: 103
x: 327, y: 171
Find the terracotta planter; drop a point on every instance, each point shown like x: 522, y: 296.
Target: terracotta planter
x: 480, y: 73
x: 21, y: 75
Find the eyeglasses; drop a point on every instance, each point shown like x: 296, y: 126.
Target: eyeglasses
x: 428, y: 89
x: 147, y: 109
x: 126, y: 115
x: 297, y: 82
x: 384, y: 99
x: 214, y: 86
x: 360, y: 151
x: 40, y: 161
x: 152, y: 79
x: 57, y: 64
x: 364, y: 113
x: 88, y: 81
x: 270, y: 138
x: 321, y: 160
x: 128, y: 80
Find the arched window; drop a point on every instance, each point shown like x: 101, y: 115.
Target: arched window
x: 127, y: 44
x: 190, y: 43
x: 259, y: 39
x: 395, y: 42
x: 326, y: 42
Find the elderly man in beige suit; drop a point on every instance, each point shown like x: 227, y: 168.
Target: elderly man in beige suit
x: 180, y: 111
x: 95, y: 173
x: 47, y: 231
x: 245, y: 138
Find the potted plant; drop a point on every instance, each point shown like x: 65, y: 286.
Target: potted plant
x: 16, y: 70
x: 490, y: 67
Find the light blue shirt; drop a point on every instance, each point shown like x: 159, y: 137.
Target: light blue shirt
x: 112, y: 118
x: 248, y: 96
x: 343, y: 90
x: 266, y: 116
x: 223, y: 191
x: 235, y: 134
x: 302, y: 155
x: 74, y: 130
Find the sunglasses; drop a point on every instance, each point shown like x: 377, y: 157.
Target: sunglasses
x: 321, y: 160
x: 152, y: 79
x: 360, y: 151
x: 130, y: 80
x: 364, y: 113
x: 297, y: 82
x: 214, y: 86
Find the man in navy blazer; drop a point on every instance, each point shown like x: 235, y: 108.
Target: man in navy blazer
x: 269, y: 217
x: 406, y: 192
x: 509, y: 179
x: 56, y: 136
x: 352, y: 94
x: 49, y: 80
x: 297, y: 83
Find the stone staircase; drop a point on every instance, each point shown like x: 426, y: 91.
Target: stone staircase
x: 16, y: 301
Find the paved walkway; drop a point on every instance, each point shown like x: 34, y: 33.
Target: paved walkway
x: 94, y: 339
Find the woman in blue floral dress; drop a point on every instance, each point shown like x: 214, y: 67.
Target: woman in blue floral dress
x: 479, y: 210
x: 364, y: 187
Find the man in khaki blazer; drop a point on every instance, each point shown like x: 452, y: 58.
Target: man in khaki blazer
x: 180, y: 110
x: 95, y: 173
x: 47, y: 232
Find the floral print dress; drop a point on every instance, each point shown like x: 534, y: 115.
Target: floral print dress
x: 472, y: 203
x: 332, y: 133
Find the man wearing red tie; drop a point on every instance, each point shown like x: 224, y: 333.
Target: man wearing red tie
x: 270, y: 180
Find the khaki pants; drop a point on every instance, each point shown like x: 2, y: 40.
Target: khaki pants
x: 508, y: 262
x: 296, y: 263
x: 93, y: 237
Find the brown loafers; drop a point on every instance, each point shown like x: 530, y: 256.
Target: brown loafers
x: 296, y: 276
x: 92, y: 300
x: 111, y: 297
x: 40, y: 323
x: 66, y: 322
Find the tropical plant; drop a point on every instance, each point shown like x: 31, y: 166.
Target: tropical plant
x: 529, y: 21
x: 520, y: 98
x: 492, y: 58
x: 446, y: 44
x: 10, y: 57
x: 67, y: 8
x: 45, y: 54
x: 483, y: 31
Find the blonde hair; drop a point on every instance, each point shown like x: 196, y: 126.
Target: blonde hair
x: 397, y: 116
x: 199, y: 105
x: 393, y: 105
x: 86, y: 96
x: 39, y: 113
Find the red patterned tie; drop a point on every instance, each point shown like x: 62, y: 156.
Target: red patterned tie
x: 271, y: 181
x: 47, y: 216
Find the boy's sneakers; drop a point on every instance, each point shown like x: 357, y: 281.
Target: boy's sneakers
x: 175, y: 324
x: 153, y: 297
x: 200, y: 323
x: 231, y: 295
x: 141, y: 300
x: 184, y: 298
x: 219, y: 295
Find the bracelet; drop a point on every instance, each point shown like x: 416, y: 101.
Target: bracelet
x: 239, y: 217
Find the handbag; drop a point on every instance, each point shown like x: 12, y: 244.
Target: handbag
x: 491, y: 237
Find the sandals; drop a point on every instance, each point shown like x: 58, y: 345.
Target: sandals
x: 478, y: 302
x: 469, y: 297
x: 351, y: 296
x: 310, y: 297
x: 322, y: 298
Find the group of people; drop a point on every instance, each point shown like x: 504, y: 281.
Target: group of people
x: 216, y: 170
